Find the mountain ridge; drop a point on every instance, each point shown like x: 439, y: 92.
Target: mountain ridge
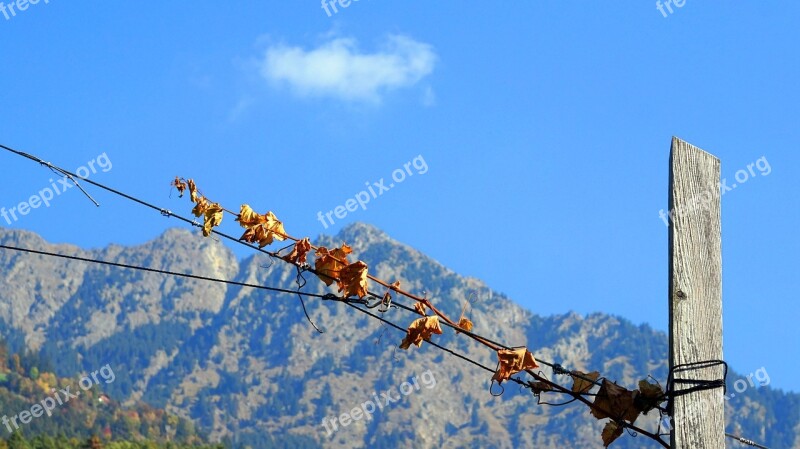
x: 243, y: 363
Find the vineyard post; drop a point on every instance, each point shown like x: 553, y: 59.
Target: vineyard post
x: 695, y: 294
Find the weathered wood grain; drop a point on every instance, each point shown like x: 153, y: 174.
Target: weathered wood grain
x: 695, y: 292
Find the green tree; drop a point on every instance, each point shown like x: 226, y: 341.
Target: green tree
x: 18, y: 441
x: 92, y: 443
x: 17, y: 365
x: 3, y: 357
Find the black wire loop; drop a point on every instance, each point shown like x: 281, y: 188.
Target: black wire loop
x: 695, y: 385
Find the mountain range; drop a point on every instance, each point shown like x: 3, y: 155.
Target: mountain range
x: 249, y: 369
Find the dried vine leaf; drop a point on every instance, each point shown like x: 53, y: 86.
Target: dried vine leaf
x: 611, y: 432
x: 201, y: 207
x: 582, y: 385
x: 512, y: 361
x: 353, y: 280
x: 263, y: 229
x: 330, y: 263
x: 299, y: 252
x: 193, y: 192
x: 421, y: 308
x: 650, y: 395
x: 248, y: 217
x: 615, y: 402
x: 421, y: 329
x: 387, y: 297
x: 539, y: 387
x: 213, y: 217
x: 465, y: 324
x: 650, y: 391
x: 179, y: 184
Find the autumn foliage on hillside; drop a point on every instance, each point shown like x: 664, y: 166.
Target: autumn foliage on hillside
x: 26, y: 379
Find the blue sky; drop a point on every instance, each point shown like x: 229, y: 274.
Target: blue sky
x: 544, y: 128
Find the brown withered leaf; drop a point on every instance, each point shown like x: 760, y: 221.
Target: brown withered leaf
x: 387, y: 297
x: 179, y: 184
x: 252, y: 235
x: 463, y: 319
x: 421, y: 308
x: 330, y: 263
x: 193, y: 195
x: 200, y: 208
x: 539, y: 387
x: 420, y: 330
x: 353, y: 280
x: 465, y: 324
x: 248, y: 217
x: 267, y: 229
x: 650, y: 391
x: 512, y: 361
x: 342, y: 252
x: 299, y: 252
x: 613, y: 401
x: 582, y: 385
x: 650, y: 395
x: 275, y: 227
x: 611, y: 432
x: 213, y: 217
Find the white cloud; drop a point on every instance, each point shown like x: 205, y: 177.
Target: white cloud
x: 338, y: 69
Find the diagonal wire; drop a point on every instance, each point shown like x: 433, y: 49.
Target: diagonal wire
x: 168, y: 213
x: 745, y: 441
x: 166, y: 272
x: 328, y: 296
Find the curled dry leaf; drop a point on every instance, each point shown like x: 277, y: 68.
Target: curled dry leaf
x: 650, y: 391
x: 512, y: 361
x: 213, y: 217
x: 200, y: 208
x: 650, y: 395
x: 353, y: 280
x: 581, y: 384
x: 330, y: 263
x: 421, y: 308
x: 615, y: 402
x: 539, y: 387
x: 465, y: 324
x: 421, y: 329
x: 248, y: 217
x: 387, y: 297
x: 299, y: 252
x: 179, y: 184
x: 611, y: 432
x: 263, y: 229
x: 193, y: 195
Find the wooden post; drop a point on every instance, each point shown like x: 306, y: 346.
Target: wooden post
x: 695, y: 293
